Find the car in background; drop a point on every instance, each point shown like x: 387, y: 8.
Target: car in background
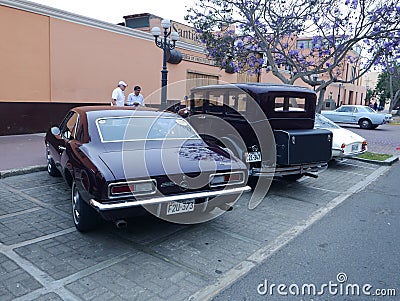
x: 365, y: 117
x: 122, y: 162
x: 345, y: 143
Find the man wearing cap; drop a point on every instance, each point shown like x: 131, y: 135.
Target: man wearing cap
x: 118, y: 95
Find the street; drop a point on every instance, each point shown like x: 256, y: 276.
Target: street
x: 356, y: 245
x: 384, y: 139
x: 43, y: 257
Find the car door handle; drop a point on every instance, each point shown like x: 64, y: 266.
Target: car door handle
x: 62, y: 148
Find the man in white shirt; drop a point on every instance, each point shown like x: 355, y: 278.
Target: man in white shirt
x: 118, y: 95
x: 135, y: 98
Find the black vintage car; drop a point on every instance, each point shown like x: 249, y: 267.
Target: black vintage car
x: 122, y: 162
x: 269, y: 126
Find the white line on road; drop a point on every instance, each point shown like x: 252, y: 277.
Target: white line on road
x: 30, y: 210
x: 358, y: 165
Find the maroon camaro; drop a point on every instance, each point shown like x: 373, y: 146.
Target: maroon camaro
x: 124, y: 162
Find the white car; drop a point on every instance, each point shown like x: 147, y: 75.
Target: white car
x: 345, y: 143
x: 364, y: 116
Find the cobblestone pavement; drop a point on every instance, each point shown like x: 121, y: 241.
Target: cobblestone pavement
x: 385, y: 139
x: 43, y: 257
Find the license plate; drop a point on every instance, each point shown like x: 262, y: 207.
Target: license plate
x: 354, y: 147
x: 175, y: 207
x: 253, y: 157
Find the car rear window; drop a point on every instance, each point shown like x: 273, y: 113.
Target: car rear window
x: 115, y: 129
x: 289, y: 104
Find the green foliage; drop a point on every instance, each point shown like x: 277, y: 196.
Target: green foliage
x: 382, y: 88
x: 374, y: 156
x: 370, y: 94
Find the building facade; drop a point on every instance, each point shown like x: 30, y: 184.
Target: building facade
x: 53, y: 60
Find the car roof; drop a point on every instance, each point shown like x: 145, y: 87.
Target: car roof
x: 257, y: 87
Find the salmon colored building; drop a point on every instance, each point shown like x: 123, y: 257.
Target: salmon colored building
x: 52, y: 60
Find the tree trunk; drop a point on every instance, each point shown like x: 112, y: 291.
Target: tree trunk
x: 395, y: 101
x: 320, y: 102
x: 391, y: 87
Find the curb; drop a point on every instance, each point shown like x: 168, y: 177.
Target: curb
x: 387, y: 162
x: 21, y: 171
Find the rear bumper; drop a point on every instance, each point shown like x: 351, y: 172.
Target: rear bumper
x: 288, y: 170
x: 126, y: 204
x: 338, y: 153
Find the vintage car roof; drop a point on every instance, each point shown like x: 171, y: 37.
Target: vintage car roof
x: 257, y: 87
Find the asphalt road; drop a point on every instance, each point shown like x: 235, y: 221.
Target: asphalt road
x: 384, y: 139
x: 356, y: 245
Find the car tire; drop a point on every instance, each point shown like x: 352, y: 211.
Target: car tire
x: 292, y: 178
x: 52, y: 169
x: 252, y: 182
x: 84, y: 216
x: 365, y: 124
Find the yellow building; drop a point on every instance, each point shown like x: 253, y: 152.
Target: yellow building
x: 52, y: 60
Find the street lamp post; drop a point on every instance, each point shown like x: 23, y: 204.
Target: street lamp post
x: 165, y: 45
x: 338, y: 96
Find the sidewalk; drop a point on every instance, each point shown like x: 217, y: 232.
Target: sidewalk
x: 18, y: 152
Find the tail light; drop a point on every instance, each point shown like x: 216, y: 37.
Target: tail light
x: 223, y: 179
x: 343, y: 146
x: 131, y: 188
x: 364, y: 146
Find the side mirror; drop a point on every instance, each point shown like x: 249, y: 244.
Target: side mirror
x: 55, y: 130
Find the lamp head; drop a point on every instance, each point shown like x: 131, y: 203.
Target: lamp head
x: 156, y: 31
x: 174, y: 36
x: 165, y: 24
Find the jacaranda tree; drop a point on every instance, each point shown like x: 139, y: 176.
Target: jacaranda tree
x: 257, y: 35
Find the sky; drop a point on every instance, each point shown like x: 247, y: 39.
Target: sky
x: 113, y: 11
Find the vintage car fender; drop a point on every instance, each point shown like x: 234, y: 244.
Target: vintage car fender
x: 233, y: 144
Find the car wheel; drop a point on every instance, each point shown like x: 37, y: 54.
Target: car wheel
x: 85, y: 218
x: 292, y: 178
x: 252, y: 182
x: 52, y: 169
x: 51, y: 166
x: 365, y: 124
